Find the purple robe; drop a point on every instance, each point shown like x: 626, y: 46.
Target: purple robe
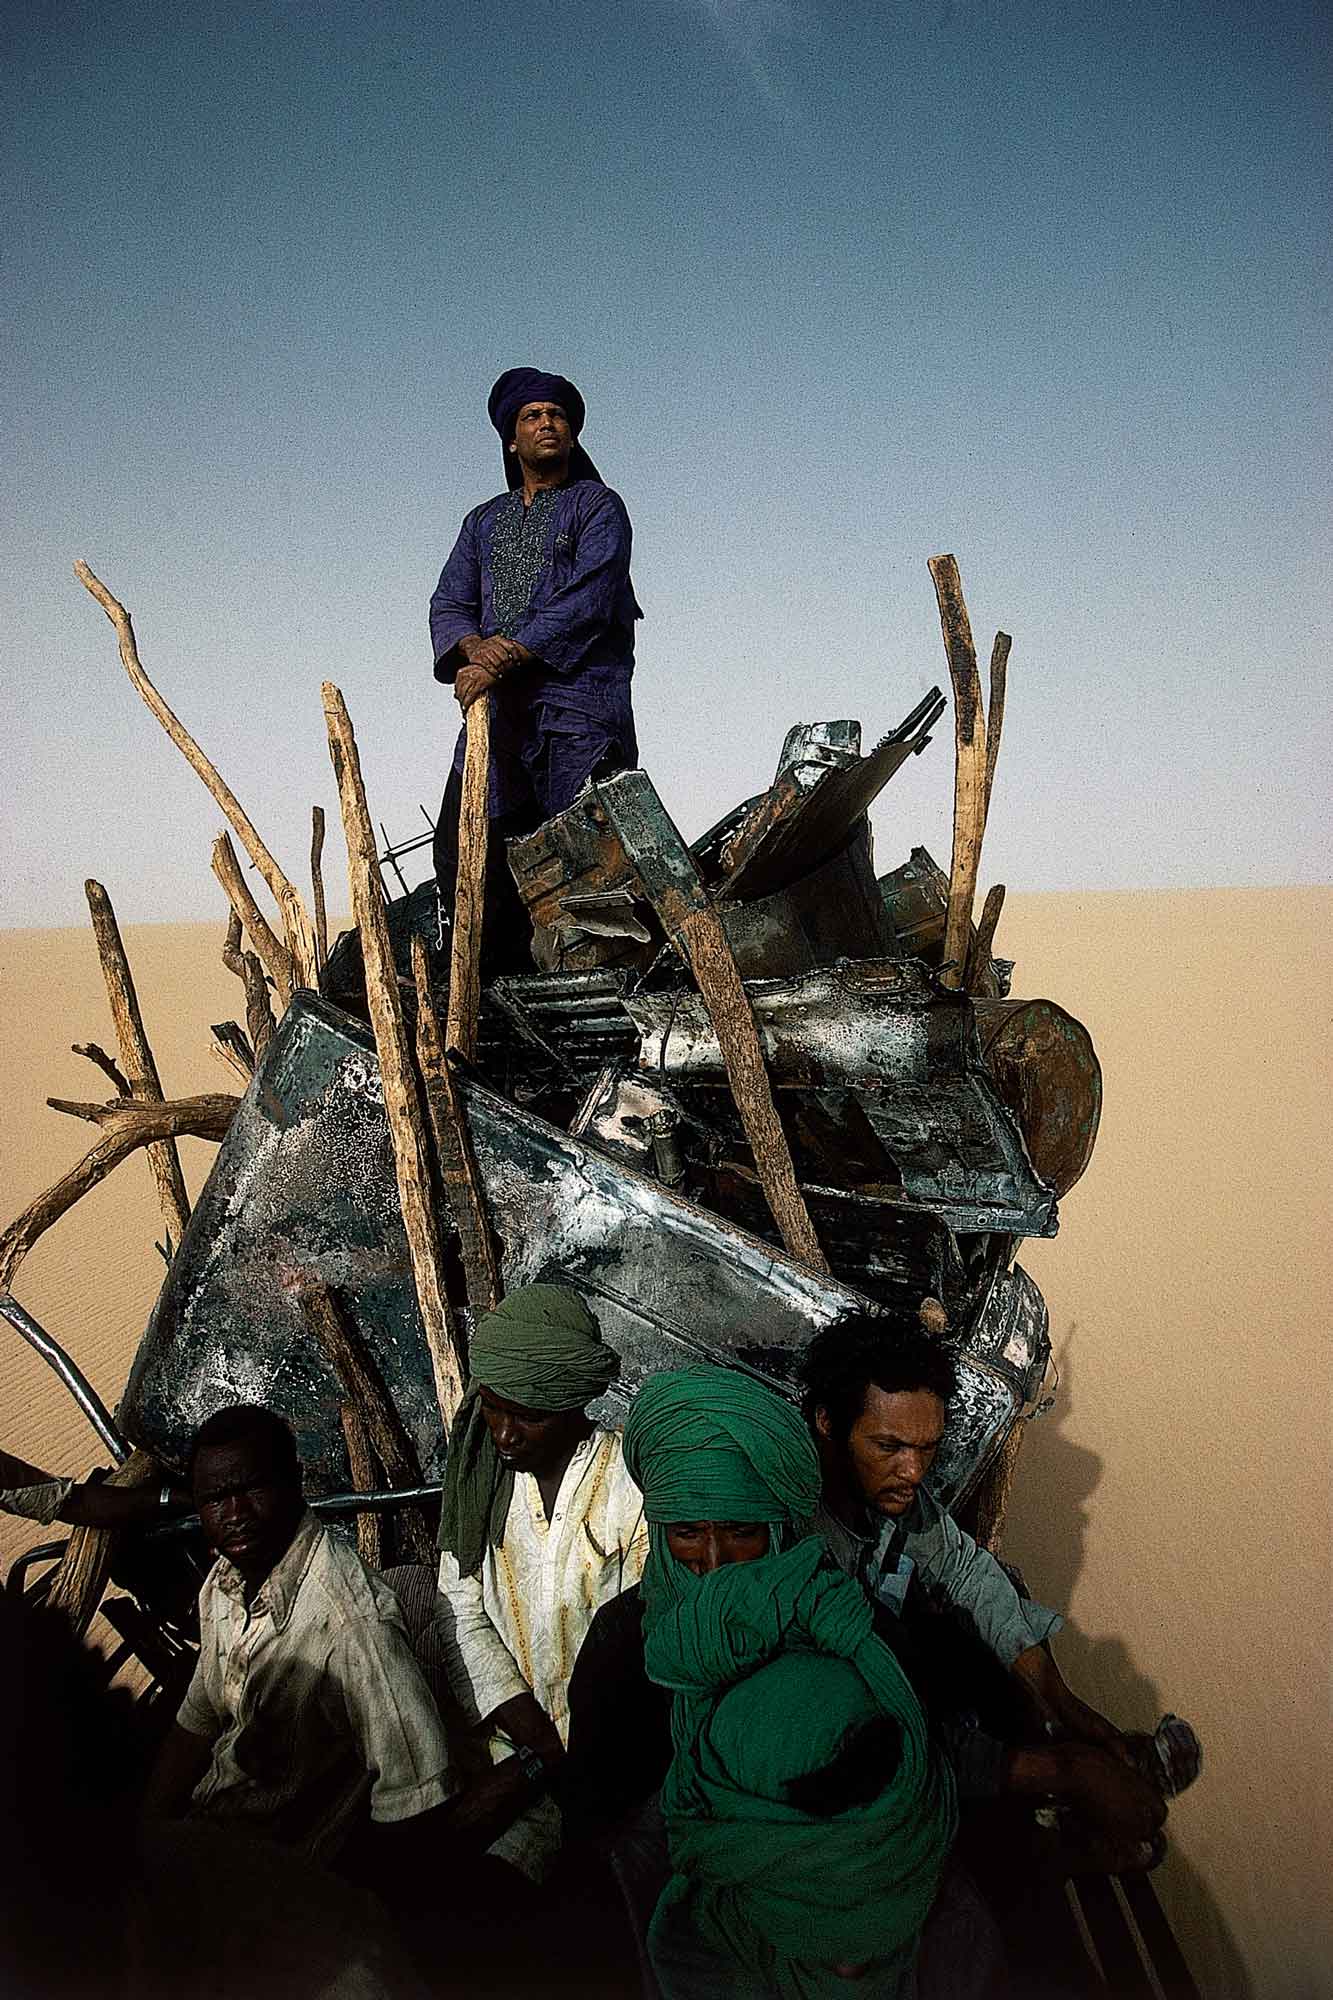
x: 553, y: 722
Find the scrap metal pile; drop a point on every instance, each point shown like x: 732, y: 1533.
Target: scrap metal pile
x: 749, y: 1087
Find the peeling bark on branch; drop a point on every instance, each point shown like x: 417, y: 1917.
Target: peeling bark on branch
x: 137, y: 1056
x: 453, y: 1147
x: 129, y: 1125
x: 317, y: 889
x: 401, y: 1100
x: 969, y: 799
x: 276, y: 958
x: 104, y: 1062
x: 295, y: 921
x: 470, y: 891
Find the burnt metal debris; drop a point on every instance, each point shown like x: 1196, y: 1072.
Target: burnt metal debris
x: 928, y: 1128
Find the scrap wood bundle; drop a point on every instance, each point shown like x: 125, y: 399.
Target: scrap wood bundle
x: 748, y: 1087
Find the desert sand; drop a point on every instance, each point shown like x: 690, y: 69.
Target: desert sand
x: 1174, y: 1500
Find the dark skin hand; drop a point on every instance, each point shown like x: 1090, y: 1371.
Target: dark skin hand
x: 1117, y: 1804
x: 486, y: 662
x: 92, y: 1505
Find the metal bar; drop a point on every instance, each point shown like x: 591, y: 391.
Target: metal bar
x: 73, y: 1377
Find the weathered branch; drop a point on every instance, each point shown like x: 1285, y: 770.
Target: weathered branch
x: 363, y: 1385
x: 81, y: 1578
x: 137, y: 1057
x: 276, y: 958
x: 317, y: 889
x: 979, y: 952
x: 453, y: 1147
x: 246, y: 966
x: 129, y: 1125
x: 104, y: 1062
x: 470, y: 886
x: 365, y: 1478
x: 401, y: 1102
x: 969, y: 799
x: 295, y: 921
x: 999, y: 681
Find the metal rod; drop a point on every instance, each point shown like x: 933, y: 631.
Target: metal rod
x: 80, y: 1388
x: 326, y: 1503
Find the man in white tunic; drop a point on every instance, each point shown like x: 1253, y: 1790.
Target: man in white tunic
x: 540, y: 1525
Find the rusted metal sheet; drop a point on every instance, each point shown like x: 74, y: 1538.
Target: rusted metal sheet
x: 303, y: 1186
x: 916, y: 897
x: 1046, y: 1070
x: 795, y: 825
x: 581, y: 892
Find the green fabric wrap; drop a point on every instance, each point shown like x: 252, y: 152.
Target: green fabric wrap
x: 710, y: 1444
x: 771, y: 1663
x: 540, y: 1348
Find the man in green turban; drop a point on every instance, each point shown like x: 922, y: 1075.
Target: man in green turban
x: 807, y: 1818
x: 540, y: 1524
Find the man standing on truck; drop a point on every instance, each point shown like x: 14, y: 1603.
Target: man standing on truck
x: 535, y: 609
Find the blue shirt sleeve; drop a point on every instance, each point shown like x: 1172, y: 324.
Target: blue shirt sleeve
x: 971, y: 1579
x: 573, y: 616
x: 455, y: 608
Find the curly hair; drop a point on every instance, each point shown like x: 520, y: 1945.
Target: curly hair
x: 842, y: 1361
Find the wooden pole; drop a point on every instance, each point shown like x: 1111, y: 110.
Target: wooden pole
x: 274, y: 955
x: 719, y: 981
x: 317, y: 889
x: 969, y: 799
x: 137, y: 1058
x: 999, y: 681
x: 365, y: 1478
x: 295, y: 921
x: 401, y: 1103
x: 81, y: 1576
x: 470, y: 889
x: 363, y: 1386
x: 129, y: 1126
x: 453, y: 1147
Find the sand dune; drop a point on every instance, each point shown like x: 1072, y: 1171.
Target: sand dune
x: 1175, y: 1499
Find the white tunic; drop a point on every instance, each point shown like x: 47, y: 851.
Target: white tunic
x: 517, y: 1625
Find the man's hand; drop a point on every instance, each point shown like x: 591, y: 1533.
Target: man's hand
x: 525, y: 1721
x: 1116, y: 1804
x: 470, y: 683
x: 1059, y: 1704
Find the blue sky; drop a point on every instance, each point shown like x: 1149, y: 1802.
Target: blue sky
x: 843, y: 285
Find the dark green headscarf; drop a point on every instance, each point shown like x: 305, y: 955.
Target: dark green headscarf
x: 772, y: 1663
x: 541, y: 1348
x: 711, y: 1444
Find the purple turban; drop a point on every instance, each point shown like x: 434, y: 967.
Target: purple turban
x: 518, y: 386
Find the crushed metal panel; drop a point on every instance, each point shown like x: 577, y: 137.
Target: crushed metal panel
x: 303, y: 1182
x: 835, y: 911
x: 580, y: 890
x: 672, y: 1284
x: 916, y: 899
x: 794, y: 827
x: 1000, y: 1377
x: 905, y: 1051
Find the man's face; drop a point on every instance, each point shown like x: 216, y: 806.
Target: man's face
x: 891, y: 1446
x: 704, y: 1546
x: 542, y: 437
x: 534, y: 1441
x: 248, y: 1511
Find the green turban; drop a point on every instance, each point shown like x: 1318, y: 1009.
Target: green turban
x: 773, y: 1663
x: 711, y: 1444
x: 540, y: 1348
